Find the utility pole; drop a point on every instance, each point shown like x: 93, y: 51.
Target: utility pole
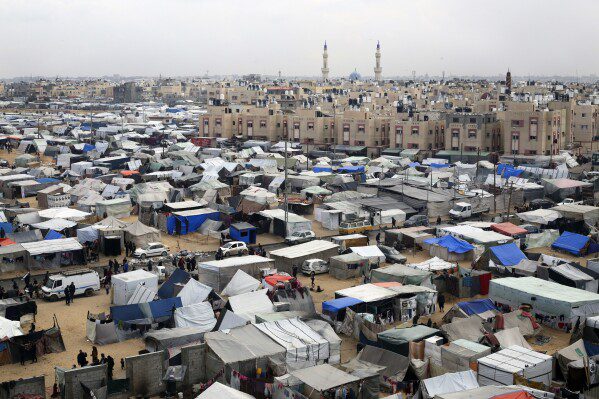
x: 494, y: 186
x: 509, y: 201
x: 285, y: 189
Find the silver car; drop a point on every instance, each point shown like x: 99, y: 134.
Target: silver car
x: 318, y: 266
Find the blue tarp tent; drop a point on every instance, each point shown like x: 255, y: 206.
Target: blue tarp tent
x: 243, y: 232
x: 53, y: 235
x: 414, y: 164
x: 335, y: 305
x: 508, y: 171
x: 167, y: 290
x: 164, y: 307
x: 186, y: 222
x: 452, y: 244
x: 572, y: 243
x: 439, y: 165
x: 88, y: 147
x: 351, y: 169
x: 508, y: 254
x: 317, y: 169
x: 6, y: 226
x: 477, y: 306
x: 126, y: 313
x: 44, y: 180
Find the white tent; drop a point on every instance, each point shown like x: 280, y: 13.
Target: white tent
x: 372, y: 252
x: 249, y: 304
x: 540, y: 216
x: 125, y: 284
x: 142, y: 294
x: 198, y: 315
x: 9, y: 328
x: 63, y: 213
x: 448, y: 383
x: 433, y: 264
x: 304, y: 347
x: 194, y: 292
x: 499, y: 368
x: 241, y: 283
x: 220, y: 391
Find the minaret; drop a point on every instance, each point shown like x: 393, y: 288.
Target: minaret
x: 508, y: 81
x: 325, y: 63
x: 377, y: 68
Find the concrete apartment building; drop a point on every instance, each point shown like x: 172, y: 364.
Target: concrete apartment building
x: 582, y: 124
x: 424, y: 131
x: 470, y: 132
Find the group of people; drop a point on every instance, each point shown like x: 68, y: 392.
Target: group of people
x: 69, y: 293
x: 129, y: 248
x: 185, y: 262
x: 95, y: 361
x: 115, y: 266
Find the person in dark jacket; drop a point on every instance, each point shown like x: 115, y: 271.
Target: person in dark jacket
x: 82, y: 358
x: 441, y: 301
x: 72, y: 291
x: 67, y: 295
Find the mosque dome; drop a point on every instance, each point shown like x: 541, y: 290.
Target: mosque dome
x: 355, y: 76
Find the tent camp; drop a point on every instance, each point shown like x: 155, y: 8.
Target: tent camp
x: 286, y: 258
x: 117, y: 207
x: 449, y: 248
x: 398, y: 339
x: 199, y: 316
x: 470, y: 329
x: 218, y: 273
x: 241, y: 283
x: 249, y: 304
x: 507, y: 254
x: 483, y: 308
x: 185, y: 222
x: 219, y: 391
x: 347, y: 266
x: 461, y: 353
x: 401, y: 274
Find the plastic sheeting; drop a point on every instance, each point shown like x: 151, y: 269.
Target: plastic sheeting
x: 508, y: 254
x: 220, y: 391
x: 448, y: 383
x: 87, y: 234
x: 451, y: 243
x: 241, y: 283
x: 194, y: 292
x: 142, y: 294
x: 571, y: 242
x: 199, y: 315
x: 477, y: 306
x: 543, y: 239
x: 249, y: 304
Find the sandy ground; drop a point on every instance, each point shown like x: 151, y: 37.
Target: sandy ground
x: 72, y: 320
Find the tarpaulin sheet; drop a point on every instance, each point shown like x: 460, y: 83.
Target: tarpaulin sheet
x: 164, y: 307
x: 189, y: 224
x: 451, y: 243
x: 508, y: 254
x: 6, y: 226
x: 167, y: 290
x: 53, y: 235
x: 351, y: 169
x: 477, y: 306
x: 571, y: 242
x: 126, y: 313
x: 335, y: 305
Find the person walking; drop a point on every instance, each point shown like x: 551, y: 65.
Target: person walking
x: 82, y: 358
x: 393, y: 222
x: 441, y: 301
x: 378, y: 238
x: 294, y: 269
x: 109, y: 366
x: 67, y: 295
x: 312, y: 278
x: 102, y: 359
x: 72, y: 291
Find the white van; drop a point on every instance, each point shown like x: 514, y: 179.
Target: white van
x: 86, y: 282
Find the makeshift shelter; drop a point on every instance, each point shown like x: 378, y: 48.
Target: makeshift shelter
x: 434, y: 264
x: 470, y: 329
x: 401, y: 274
x: 125, y: 284
x: 540, y: 216
x: 398, y: 339
x: 371, y: 252
x: 509, y: 229
x: 449, y: 248
x: 42, y: 255
x: 117, y: 207
x: 543, y: 239
x: 166, y: 338
x: 304, y: 347
x: 391, y: 367
x: 185, y: 222
x: 325, y: 330
x: 572, y: 276
x: 335, y: 308
x: 507, y: 254
x: 244, y: 232
x: 286, y: 258
x: 448, y: 383
x: 347, y: 266
x: 140, y: 234
x: 194, y: 292
x: 199, y: 316
x: 100, y: 330
x: 554, y: 304
x: 576, y: 244
x: 218, y: 273
x: 219, y: 391
x: 249, y: 304
x: 483, y: 308
x: 500, y: 368
x: 510, y: 337
x: 320, y: 379
x: 461, y: 353
x: 242, y: 349
x: 241, y: 283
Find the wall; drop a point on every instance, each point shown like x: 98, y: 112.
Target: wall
x: 92, y: 377
x: 145, y: 374
x: 194, y: 357
x: 27, y: 386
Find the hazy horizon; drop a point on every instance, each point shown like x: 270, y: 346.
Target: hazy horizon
x: 192, y: 38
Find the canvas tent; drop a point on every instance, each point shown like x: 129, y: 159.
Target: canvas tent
x: 286, y: 258
x: 218, y: 273
x: 347, y: 266
x: 576, y: 244
x: 392, y: 367
x: 249, y: 304
x: 461, y: 353
x: 470, y: 328
x: 448, y: 383
x: 304, y: 347
x: 398, y: 339
x: 124, y: 285
x: 449, y: 248
x: 194, y: 292
x: 507, y: 254
x: 140, y: 234
x: 241, y: 283
x: 220, y: 391
x: 199, y: 316
x: 323, y: 378
x: 401, y: 274
x: 499, y: 368
x: 100, y: 330
x: 483, y: 308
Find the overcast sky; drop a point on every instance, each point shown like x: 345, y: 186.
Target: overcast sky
x: 190, y: 37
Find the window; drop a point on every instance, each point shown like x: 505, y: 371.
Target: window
x: 584, y: 127
x: 517, y: 123
x: 471, y: 134
x: 472, y: 120
x: 310, y: 125
x: 361, y: 129
x: 430, y: 132
x: 583, y: 115
x: 217, y: 122
x: 58, y: 283
x: 455, y: 135
x: 456, y: 120
x: 413, y: 146
x: 263, y: 124
x: 415, y: 130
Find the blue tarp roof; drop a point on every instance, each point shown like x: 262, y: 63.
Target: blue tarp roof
x: 126, y: 313
x: 414, y: 164
x: 88, y: 147
x: 53, y: 235
x: 164, y: 307
x: 571, y: 242
x: 452, y: 244
x: 351, y: 169
x: 6, y: 226
x: 508, y: 254
x: 477, y: 306
x: 335, y: 305
x: 439, y: 165
x: 317, y: 169
x: 167, y: 289
x: 43, y: 180
x: 508, y: 171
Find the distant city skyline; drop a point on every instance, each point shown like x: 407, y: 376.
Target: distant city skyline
x: 193, y: 38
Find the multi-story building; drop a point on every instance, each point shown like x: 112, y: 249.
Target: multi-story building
x: 470, y: 132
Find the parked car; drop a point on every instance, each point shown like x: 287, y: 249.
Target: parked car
x: 3, y: 163
x: 392, y: 255
x: 86, y: 282
x: 300, y: 236
x: 569, y: 201
x: 541, y: 203
x: 416, y: 220
x: 317, y: 266
x: 234, y: 248
x: 152, y: 249
x: 356, y: 226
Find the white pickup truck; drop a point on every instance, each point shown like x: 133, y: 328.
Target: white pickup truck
x: 570, y: 201
x: 465, y: 210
